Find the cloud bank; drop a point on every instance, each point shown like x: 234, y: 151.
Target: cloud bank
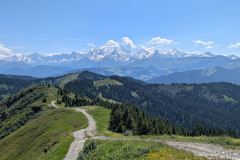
x: 4, y: 51
x: 234, y: 45
x: 205, y: 44
x: 158, y: 41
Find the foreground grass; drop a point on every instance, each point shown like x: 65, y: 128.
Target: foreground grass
x: 134, y: 150
x: 101, y: 116
x: 46, y: 137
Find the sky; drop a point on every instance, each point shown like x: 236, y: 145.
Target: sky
x: 57, y: 26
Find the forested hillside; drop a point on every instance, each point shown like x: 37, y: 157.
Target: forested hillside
x: 10, y: 84
x: 32, y: 128
x: 179, y: 106
x: 131, y: 120
x: 213, y: 105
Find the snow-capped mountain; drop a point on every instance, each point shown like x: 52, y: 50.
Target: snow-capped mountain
x: 123, y: 58
x: 123, y: 51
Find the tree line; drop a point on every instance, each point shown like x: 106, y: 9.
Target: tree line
x: 78, y: 101
x: 128, y: 119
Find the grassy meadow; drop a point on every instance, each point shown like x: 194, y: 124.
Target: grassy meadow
x: 133, y: 149
x: 46, y: 137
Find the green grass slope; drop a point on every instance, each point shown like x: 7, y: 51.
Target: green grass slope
x: 24, y: 106
x: 44, y: 138
x: 134, y: 150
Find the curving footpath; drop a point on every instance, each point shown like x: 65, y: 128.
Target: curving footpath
x: 53, y: 104
x: 81, y: 136
x: 200, y: 149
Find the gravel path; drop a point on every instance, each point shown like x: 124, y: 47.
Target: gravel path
x: 81, y: 136
x: 207, y: 150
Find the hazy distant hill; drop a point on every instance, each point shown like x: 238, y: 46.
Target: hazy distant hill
x: 215, y: 74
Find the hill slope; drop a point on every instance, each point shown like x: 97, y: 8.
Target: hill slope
x: 31, y: 129
x: 212, y: 105
x: 20, y: 108
x: 46, y: 137
x: 10, y: 84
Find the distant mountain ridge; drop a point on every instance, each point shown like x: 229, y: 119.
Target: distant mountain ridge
x: 116, y: 58
x: 214, y: 74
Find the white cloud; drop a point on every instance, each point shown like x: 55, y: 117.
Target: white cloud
x: 128, y: 42
x: 91, y: 45
x: 158, y: 41
x: 205, y: 44
x: 234, y: 45
x: 111, y: 44
x: 4, y: 51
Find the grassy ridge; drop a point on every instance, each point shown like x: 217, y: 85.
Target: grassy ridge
x: 46, y: 137
x: 134, y: 150
x: 24, y: 106
x: 107, y: 82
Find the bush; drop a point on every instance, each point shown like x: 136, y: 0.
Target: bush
x: 44, y: 100
x: 87, y: 150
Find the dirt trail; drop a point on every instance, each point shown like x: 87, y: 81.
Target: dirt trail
x: 53, y: 104
x: 207, y: 150
x: 81, y: 136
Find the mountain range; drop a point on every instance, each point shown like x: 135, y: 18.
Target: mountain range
x: 115, y: 58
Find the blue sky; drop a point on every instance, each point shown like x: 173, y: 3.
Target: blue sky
x: 49, y: 26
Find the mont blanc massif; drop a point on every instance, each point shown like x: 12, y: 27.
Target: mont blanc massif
x: 149, y: 63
